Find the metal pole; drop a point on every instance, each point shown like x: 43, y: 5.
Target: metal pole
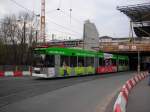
x: 132, y: 31
x: 36, y: 37
x: 24, y: 32
x: 138, y: 61
x: 43, y: 21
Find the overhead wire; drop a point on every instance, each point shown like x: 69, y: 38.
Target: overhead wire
x: 65, y: 13
x: 64, y: 27
x: 51, y: 11
x: 60, y: 1
x: 73, y: 18
x: 21, y: 6
x: 68, y: 15
x: 66, y: 32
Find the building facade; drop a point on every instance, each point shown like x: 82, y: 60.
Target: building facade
x: 90, y: 36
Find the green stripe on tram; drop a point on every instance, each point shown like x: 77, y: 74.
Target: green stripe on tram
x: 67, y: 52
x: 120, y: 57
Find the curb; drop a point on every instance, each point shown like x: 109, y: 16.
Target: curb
x: 122, y: 99
x: 14, y: 73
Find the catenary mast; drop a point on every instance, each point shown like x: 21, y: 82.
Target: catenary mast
x: 42, y: 28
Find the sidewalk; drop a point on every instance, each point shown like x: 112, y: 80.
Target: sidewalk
x: 139, y: 98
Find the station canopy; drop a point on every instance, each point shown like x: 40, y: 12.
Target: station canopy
x: 140, y: 17
x: 137, y: 13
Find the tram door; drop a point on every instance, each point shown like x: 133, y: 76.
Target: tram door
x: 49, y: 63
x: 57, y: 64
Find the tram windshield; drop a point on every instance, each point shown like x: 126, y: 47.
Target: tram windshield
x: 42, y: 60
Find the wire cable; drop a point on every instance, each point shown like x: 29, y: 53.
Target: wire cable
x: 51, y: 11
x: 75, y: 19
x: 66, y: 32
x: 64, y: 27
x: 60, y: 1
x: 21, y: 6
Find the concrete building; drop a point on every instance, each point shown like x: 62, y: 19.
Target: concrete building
x: 90, y: 36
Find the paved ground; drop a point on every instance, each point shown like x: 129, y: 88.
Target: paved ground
x: 78, y: 94
x: 139, y: 99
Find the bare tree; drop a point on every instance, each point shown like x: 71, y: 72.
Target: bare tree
x: 27, y: 37
x: 8, y: 36
x: 17, y: 38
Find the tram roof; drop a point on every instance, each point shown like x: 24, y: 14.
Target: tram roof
x: 77, y: 52
x: 69, y: 51
x: 137, y: 13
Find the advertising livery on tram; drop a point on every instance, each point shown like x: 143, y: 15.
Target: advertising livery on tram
x: 63, y: 62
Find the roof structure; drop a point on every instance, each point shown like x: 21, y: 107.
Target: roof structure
x: 140, y: 18
x: 137, y: 13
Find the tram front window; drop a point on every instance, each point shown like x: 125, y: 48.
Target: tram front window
x: 42, y: 60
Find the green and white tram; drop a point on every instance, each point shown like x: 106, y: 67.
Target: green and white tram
x: 63, y: 62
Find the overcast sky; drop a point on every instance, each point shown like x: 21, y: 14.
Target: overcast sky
x: 103, y: 13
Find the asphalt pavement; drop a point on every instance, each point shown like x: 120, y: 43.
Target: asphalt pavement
x: 77, y: 94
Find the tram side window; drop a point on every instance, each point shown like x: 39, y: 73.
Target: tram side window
x: 49, y: 61
x: 38, y: 60
x: 113, y: 62
x: 104, y: 62
x: 100, y: 61
x: 65, y: 60
x: 89, y: 61
x: 108, y: 62
x: 73, y: 61
x: 121, y: 62
x: 80, y: 61
x: 42, y: 60
x: 126, y: 62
